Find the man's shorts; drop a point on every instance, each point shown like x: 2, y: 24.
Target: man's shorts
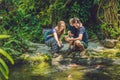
x: 84, y: 44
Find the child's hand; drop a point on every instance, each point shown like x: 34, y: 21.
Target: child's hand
x: 71, y: 39
x: 71, y: 34
x: 66, y: 38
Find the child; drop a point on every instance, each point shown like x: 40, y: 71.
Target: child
x: 70, y: 34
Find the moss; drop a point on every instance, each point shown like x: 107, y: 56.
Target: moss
x: 35, y: 58
x: 40, y: 69
x: 118, y: 54
x: 109, y: 53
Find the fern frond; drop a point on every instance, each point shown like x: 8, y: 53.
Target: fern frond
x: 12, y: 41
x: 4, y: 53
x: 4, y: 65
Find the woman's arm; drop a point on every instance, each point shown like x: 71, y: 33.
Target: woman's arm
x: 56, y: 38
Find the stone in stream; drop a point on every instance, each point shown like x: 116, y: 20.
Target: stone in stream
x: 92, y: 61
x: 109, y: 43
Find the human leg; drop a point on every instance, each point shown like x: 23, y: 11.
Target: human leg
x: 69, y: 42
x: 80, y: 45
x: 53, y: 44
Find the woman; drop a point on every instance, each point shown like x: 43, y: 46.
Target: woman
x: 54, y: 36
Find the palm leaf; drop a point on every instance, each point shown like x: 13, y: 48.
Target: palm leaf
x: 4, y: 65
x: 4, y: 36
x: 4, y: 68
x: 3, y: 72
x: 4, y: 53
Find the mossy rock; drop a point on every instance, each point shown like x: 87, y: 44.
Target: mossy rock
x: 118, y: 54
x: 109, y: 43
x: 35, y: 59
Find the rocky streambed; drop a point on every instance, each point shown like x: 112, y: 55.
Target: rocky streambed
x: 100, y: 63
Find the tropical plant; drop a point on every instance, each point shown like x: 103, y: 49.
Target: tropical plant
x: 107, y: 14
x: 3, y: 66
x: 81, y: 9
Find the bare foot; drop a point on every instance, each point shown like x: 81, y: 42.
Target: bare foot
x: 100, y: 66
x: 55, y: 55
x: 83, y: 53
x: 69, y: 77
x: 73, y: 65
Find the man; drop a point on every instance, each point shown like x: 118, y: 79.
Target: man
x: 80, y: 38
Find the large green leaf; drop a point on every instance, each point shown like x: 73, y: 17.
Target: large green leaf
x: 4, y: 53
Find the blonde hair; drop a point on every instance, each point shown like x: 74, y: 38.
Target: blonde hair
x: 59, y: 26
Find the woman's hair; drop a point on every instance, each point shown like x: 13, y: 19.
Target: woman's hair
x: 59, y: 26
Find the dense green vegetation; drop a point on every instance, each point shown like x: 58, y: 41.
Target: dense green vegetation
x: 24, y: 20
x: 4, y: 71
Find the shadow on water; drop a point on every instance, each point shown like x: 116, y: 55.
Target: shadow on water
x: 108, y: 73
x: 96, y: 75
x: 40, y: 78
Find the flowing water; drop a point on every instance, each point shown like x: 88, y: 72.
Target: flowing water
x: 44, y: 71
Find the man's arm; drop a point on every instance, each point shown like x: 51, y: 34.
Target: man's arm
x: 81, y: 32
x: 78, y: 38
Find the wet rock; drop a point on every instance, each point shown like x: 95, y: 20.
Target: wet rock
x: 116, y: 61
x: 109, y: 43
x: 97, y: 75
x: 31, y: 49
x: 35, y: 59
x: 92, y: 61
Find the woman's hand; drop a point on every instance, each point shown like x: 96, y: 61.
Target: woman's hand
x: 59, y: 44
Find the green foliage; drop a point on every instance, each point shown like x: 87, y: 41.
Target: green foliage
x: 58, y: 8
x: 119, y: 4
x: 16, y: 46
x: 4, y: 36
x: 24, y: 19
x: 81, y: 10
x: 3, y: 67
x: 118, y: 54
x: 110, y: 32
x: 96, y: 1
x: 75, y: 9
